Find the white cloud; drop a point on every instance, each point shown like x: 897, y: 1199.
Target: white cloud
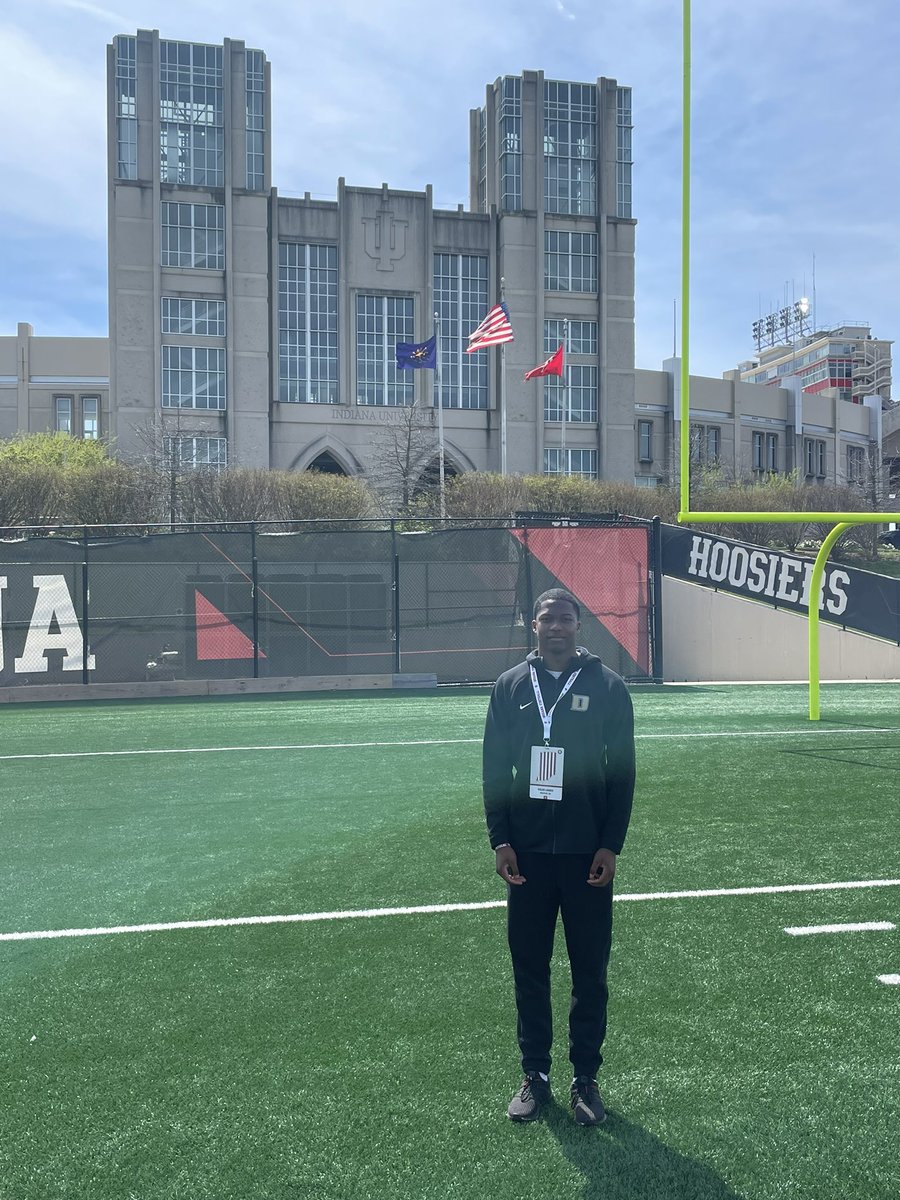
x: 93, y: 10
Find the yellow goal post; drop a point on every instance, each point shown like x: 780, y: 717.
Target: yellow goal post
x: 842, y: 521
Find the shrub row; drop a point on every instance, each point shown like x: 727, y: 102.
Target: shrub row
x: 49, y: 479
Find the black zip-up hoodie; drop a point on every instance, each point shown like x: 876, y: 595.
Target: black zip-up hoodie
x: 594, y: 723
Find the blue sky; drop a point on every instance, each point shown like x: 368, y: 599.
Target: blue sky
x: 796, y: 151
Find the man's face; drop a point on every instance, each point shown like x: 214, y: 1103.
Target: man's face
x: 556, y: 626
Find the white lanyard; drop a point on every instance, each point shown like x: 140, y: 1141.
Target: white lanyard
x: 547, y: 717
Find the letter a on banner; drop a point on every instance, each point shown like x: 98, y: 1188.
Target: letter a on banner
x: 53, y: 604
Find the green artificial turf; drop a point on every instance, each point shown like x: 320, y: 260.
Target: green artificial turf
x: 375, y: 1057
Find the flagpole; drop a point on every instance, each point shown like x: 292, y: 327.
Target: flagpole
x: 502, y: 391
x: 565, y: 389
x: 440, y: 408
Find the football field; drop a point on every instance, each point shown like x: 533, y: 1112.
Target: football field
x: 254, y: 949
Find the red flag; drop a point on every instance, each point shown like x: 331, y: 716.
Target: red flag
x: 553, y: 366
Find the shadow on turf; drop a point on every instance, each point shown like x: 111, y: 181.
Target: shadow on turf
x: 842, y: 754
x: 621, y: 1161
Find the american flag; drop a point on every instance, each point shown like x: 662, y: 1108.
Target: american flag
x: 493, y: 330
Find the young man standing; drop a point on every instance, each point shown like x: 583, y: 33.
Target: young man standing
x: 558, y: 787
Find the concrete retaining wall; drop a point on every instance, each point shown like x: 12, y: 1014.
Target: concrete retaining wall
x: 709, y: 635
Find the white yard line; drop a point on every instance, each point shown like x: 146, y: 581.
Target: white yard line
x: 676, y: 736
x: 763, y: 890
x: 889, y: 979
x: 846, y: 927
x: 237, y: 749
x: 354, y: 914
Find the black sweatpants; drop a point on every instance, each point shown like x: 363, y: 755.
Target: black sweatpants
x: 558, y: 883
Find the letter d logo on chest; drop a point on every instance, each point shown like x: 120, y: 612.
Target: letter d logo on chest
x: 580, y: 703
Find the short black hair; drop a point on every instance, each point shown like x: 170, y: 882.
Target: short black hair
x: 556, y: 594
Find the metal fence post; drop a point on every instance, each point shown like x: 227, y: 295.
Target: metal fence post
x: 254, y: 596
x: 656, y: 627
x: 529, y: 589
x: 395, y: 590
x: 85, y: 593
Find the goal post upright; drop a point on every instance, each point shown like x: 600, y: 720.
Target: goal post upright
x: 841, y: 521
x: 684, y: 474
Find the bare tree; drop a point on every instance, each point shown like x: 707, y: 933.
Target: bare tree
x: 184, y: 490
x: 404, y: 451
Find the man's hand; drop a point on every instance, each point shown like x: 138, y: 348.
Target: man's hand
x: 508, y: 865
x: 603, y: 868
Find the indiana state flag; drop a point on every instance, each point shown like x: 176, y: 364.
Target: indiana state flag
x: 411, y: 355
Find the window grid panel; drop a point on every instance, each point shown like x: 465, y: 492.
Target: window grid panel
x: 856, y: 464
x: 192, y: 141
x: 255, y: 76
x: 307, y: 324
x: 705, y: 444
x: 126, y: 107
x: 193, y: 235
x: 192, y: 154
x: 624, y: 158
x: 570, y: 261
x: 90, y: 418
x: 202, y: 318
x: 583, y: 463
x: 510, y: 121
x: 570, y: 462
x: 62, y: 407
x: 193, y: 377
x: 126, y: 141
x: 570, y: 148
x: 190, y: 63
x: 645, y: 441
x: 460, y: 298
x: 772, y: 452
x: 582, y: 399
x: 482, y: 161
x: 381, y: 322
x: 193, y: 452
x: 582, y: 336
x: 758, y: 452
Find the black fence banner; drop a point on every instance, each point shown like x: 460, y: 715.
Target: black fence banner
x: 855, y: 599
x: 368, y: 599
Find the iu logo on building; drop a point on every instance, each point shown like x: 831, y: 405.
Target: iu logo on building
x: 385, y: 239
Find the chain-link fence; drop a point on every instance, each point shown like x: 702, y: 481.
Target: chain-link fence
x: 362, y: 598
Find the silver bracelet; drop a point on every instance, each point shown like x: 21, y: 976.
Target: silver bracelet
x: 503, y: 846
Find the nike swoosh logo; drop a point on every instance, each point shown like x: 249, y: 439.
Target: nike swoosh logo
x: 521, y: 706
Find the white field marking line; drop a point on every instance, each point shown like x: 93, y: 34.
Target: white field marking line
x: 354, y: 914
x: 240, y: 749
x: 219, y: 922
x: 768, y: 733
x: 889, y: 979
x: 846, y: 927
